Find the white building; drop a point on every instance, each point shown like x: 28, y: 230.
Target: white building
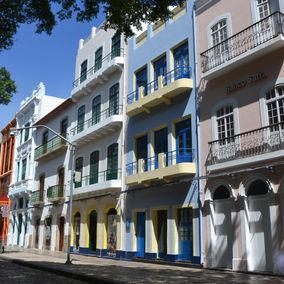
x: 31, y: 109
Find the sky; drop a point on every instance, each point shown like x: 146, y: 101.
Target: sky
x: 36, y: 58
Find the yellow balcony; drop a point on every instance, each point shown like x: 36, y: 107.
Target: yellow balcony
x: 164, y: 167
x: 160, y: 91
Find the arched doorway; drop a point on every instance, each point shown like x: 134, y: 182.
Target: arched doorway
x: 37, y: 225
x: 93, y: 230
x: 77, y: 222
x: 111, y: 230
x: 20, y: 223
x: 258, y: 227
x: 61, y: 233
x: 222, y: 237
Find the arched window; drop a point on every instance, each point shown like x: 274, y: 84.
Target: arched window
x: 275, y: 107
x: 225, y: 124
x: 112, y: 161
x: 221, y: 192
x: 80, y: 119
x: 77, y: 222
x: 111, y: 230
x: 258, y: 187
x: 79, y: 168
x: 114, y: 100
x: 96, y: 109
x: 94, y: 167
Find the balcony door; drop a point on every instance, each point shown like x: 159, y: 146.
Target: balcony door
x: 160, y: 70
x: 96, y: 110
x: 115, y: 45
x: 63, y: 127
x: 44, y: 141
x: 94, y: 167
x: 60, y: 181
x: 114, y: 100
x: 83, y: 72
x: 112, y: 162
x: 80, y: 119
x: 183, y: 141
x: 160, y: 145
x: 142, y: 150
x: 141, y: 83
x: 98, y: 59
x: 181, y: 62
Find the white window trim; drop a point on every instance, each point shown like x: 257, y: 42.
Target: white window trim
x: 226, y: 102
x: 228, y: 18
x: 262, y: 100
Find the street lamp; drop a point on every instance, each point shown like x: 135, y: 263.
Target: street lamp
x: 72, y: 148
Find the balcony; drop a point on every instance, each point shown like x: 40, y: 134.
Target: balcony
x: 55, y: 193
x: 108, y: 181
x: 163, y: 168
x: 99, y: 73
x: 257, y: 146
x: 53, y: 147
x: 36, y: 198
x: 249, y: 44
x: 159, y: 91
x: 98, y: 126
x: 22, y: 187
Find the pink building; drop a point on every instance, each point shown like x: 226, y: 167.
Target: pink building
x: 241, y: 88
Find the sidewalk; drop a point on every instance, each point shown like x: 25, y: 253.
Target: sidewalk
x: 100, y: 270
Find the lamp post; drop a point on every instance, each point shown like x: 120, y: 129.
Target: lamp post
x: 72, y: 149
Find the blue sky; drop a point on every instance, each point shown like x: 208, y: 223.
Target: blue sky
x: 36, y: 58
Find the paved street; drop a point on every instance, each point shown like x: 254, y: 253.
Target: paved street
x: 92, y: 269
x: 16, y: 274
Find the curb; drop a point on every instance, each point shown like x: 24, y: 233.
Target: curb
x: 61, y: 272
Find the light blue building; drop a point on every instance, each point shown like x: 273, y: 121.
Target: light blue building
x: 162, y: 201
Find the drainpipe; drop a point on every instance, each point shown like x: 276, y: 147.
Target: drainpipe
x: 197, y: 129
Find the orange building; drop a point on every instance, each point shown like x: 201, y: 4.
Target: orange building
x: 6, y: 171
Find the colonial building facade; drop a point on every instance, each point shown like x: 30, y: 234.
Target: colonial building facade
x: 162, y: 210
x: 31, y: 109
x: 97, y: 131
x: 6, y: 176
x: 241, y: 88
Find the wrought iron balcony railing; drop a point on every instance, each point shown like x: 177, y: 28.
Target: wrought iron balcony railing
x: 99, y: 177
x: 252, y: 143
x: 49, y: 147
x: 247, y: 39
x: 36, y: 197
x: 115, y: 53
x: 96, y: 118
x: 55, y: 192
x: 175, y: 74
x: 182, y: 155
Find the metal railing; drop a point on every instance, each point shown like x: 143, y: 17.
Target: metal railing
x: 55, y: 191
x: 245, y: 40
x: 115, y: 53
x: 182, y: 155
x: 36, y: 197
x: 173, y: 75
x: 248, y: 144
x: 95, y: 119
x: 50, y: 146
x: 99, y: 177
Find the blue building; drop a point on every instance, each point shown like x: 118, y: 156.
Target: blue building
x: 162, y: 200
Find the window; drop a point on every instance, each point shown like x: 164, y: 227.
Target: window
x: 7, y: 156
x: 98, y: 59
x: 115, y: 45
x: 61, y: 178
x: 24, y: 168
x: 96, y: 109
x: 262, y: 9
x: 225, y: 124
x: 141, y: 82
x: 112, y: 161
x: 275, y: 106
x: 27, y: 132
x: 41, y: 183
x: 94, y: 167
x: 81, y: 119
x: 79, y: 168
x: 183, y: 141
x: 44, y: 141
x: 114, y: 99
x: 181, y: 61
x: 83, y: 75
x: 18, y: 171
x: 63, y: 127
x: 160, y: 69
